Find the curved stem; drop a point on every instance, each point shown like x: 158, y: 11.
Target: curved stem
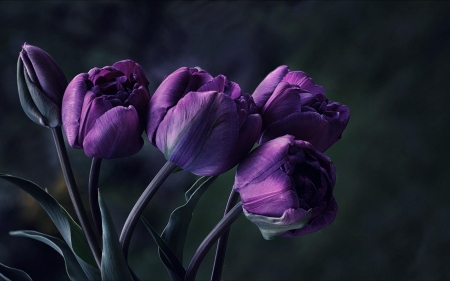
x: 212, y: 237
x: 93, y: 193
x: 223, y: 241
x: 139, y: 207
x: 74, y: 195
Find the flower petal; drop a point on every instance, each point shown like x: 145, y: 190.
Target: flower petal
x: 319, y: 222
x: 199, y: 132
x: 115, y: 134
x: 133, y: 71
x: 302, y: 80
x: 308, y: 126
x: 270, y: 197
x: 265, y: 89
x: 139, y: 98
x: 93, y: 109
x: 248, y: 134
x: 171, y: 90
x: 273, y: 227
x: 270, y: 157
x: 284, y: 101
x: 72, y: 106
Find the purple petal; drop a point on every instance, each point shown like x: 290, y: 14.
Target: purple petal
x: 271, y: 197
x: 72, y: 106
x: 171, y: 90
x: 302, y: 80
x: 217, y: 84
x: 308, y: 126
x: 284, y: 101
x: 221, y: 84
x: 320, y: 221
x: 199, y: 132
x: 116, y: 134
x: 233, y: 90
x: 267, y: 86
x: 248, y: 134
x: 139, y: 98
x: 44, y: 72
x: 93, y: 109
x: 104, y: 75
x: 263, y: 161
x: 133, y: 71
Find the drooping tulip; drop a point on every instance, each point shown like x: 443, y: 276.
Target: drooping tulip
x: 286, y: 188
x: 202, y: 124
x: 104, y: 110
x: 290, y: 103
x: 41, y: 84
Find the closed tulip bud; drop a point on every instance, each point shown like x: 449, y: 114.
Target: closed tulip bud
x: 286, y: 187
x: 41, y: 84
x: 103, y: 111
x: 202, y: 124
x: 290, y: 103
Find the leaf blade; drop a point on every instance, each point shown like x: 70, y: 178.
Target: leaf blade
x: 69, y: 229
x: 176, y: 230
x: 170, y: 260
x: 114, y: 265
x: 73, y: 268
x: 8, y: 273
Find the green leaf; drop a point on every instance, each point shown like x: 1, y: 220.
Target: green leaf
x: 73, y: 268
x: 8, y: 273
x: 172, y: 264
x: 272, y: 227
x: 114, y: 265
x: 176, y: 230
x: 69, y: 229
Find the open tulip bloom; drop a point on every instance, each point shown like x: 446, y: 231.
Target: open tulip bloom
x: 290, y: 103
x: 202, y: 124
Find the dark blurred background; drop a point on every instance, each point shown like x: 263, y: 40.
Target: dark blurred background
x: 388, y: 61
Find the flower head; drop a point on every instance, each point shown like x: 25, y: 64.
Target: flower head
x: 104, y: 110
x: 286, y: 187
x: 202, y: 124
x: 41, y: 84
x: 290, y: 103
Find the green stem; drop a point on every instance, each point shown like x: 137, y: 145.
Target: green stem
x: 139, y: 207
x: 223, y: 241
x: 209, y: 241
x: 93, y: 193
x: 74, y: 195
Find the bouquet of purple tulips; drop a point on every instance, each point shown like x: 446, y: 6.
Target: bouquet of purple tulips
x: 202, y: 124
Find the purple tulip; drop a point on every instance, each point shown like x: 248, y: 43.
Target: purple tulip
x: 286, y: 188
x: 41, y: 84
x: 290, y: 103
x: 103, y: 111
x: 202, y: 124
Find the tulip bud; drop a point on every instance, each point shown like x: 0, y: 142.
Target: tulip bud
x: 290, y: 103
x: 286, y: 187
x: 202, y: 124
x: 103, y: 111
x: 41, y: 84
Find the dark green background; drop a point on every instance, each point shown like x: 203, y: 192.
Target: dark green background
x: 388, y: 61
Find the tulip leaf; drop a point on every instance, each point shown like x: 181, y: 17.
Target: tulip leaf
x: 114, y: 265
x: 8, y: 273
x: 172, y: 263
x: 176, y: 230
x: 272, y: 227
x: 69, y: 229
x: 73, y: 268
